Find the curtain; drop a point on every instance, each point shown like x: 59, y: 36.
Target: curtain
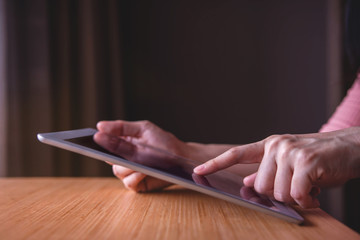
x: 2, y: 91
x: 60, y: 70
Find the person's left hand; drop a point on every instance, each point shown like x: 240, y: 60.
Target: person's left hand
x: 294, y: 167
x: 111, y: 136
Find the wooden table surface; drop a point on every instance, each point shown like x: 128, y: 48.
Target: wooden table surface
x: 100, y: 208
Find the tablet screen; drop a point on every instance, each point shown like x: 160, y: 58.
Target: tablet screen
x: 161, y: 164
x: 223, y: 181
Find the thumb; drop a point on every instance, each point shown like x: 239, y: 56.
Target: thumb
x: 249, y: 181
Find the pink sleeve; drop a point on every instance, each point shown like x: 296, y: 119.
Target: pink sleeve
x: 347, y: 114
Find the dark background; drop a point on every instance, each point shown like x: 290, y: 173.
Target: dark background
x: 233, y: 71
x: 226, y: 71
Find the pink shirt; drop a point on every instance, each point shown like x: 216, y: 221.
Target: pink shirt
x: 347, y: 114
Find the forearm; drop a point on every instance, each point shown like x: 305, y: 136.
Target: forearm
x: 345, y: 150
x: 347, y: 114
x: 352, y: 136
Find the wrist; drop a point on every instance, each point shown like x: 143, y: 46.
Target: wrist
x: 352, y: 137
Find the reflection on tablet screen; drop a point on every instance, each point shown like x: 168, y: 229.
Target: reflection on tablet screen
x: 222, y: 181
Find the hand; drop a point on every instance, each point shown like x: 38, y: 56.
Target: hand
x: 293, y: 167
x: 109, y: 137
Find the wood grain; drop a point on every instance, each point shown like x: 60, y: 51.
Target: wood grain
x: 100, y: 208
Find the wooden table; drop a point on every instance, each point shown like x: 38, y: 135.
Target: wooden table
x: 100, y: 208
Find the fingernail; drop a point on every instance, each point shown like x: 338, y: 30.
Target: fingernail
x: 114, y: 168
x: 99, y: 125
x: 245, y: 180
x: 199, y: 168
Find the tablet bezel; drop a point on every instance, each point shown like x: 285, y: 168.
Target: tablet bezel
x: 61, y: 140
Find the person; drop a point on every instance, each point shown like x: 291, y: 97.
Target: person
x: 289, y: 168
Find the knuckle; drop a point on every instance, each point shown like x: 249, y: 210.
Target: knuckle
x: 271, y: 139
x: 119, y: 124
x: 280, y: 138
x: 275, y: 141
x: 287, y: 143
x: 285, y: 149
x: 305, y: 156
x: 146, y: 123
x: 233, y: 152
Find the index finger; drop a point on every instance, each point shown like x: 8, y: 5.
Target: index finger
x: 250, y: 153
x: 120, y: 128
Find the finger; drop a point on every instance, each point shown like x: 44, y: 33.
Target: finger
x: 265, y: 177
x: 132, y: 181
x: 249, y: 181
x: 301, y: 188
x: 282, y: 183
x: 250, y: 153
x: 135, y: 183
x: 152, y: 184
x: 121, y: 172
x: 121, y: 128
x: 114, y: 144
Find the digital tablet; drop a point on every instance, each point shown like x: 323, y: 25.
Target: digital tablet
x: 161, y: 164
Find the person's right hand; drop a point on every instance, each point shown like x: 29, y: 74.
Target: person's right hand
x: 293, y: 168
x: 109, y: 137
